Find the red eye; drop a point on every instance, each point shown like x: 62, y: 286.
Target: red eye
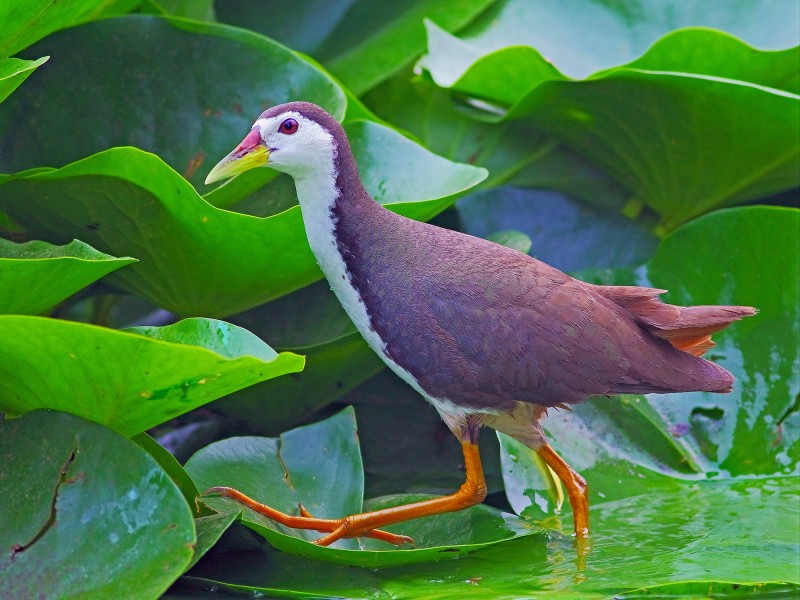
x: 289, y: 126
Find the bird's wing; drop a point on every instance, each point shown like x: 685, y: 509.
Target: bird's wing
x: 520, y: 331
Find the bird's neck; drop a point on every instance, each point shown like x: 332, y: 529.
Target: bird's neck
x: 327, y: 194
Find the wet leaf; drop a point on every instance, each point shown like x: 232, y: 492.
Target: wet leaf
x: 287, y: 471
x: 86, y: 512
x: 35, y: 276
x: 146, y: 378
x: 713, y: 543
x: 175, y: 471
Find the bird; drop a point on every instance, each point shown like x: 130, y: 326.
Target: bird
x: 490, y: 336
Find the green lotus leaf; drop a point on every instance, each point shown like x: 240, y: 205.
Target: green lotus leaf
x: 741, y: 133
x: 128, y: 202
x: 35, y: 276
x: 701, y: 544
x: 360, y: 42
x: 86, y: 513
x: 660, y: 124
x: 13, y: 71
x: 286, y: 471
x: 181, y: 89
x: 512, y: 238
x: 129, y: 380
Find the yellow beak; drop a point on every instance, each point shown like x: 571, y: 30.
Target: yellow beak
x: 249, y: 154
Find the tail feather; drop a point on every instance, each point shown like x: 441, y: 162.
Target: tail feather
x: 688, y: 329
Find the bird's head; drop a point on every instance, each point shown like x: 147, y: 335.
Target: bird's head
x: 298, y: 138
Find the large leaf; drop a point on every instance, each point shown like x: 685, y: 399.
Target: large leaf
x: 360, y: 41
x: 740, y: 133
x: 706, y: 539
x: 36, y: 276
x: 182, y: 89
x: 129, y: 381
x: 652, y: 463
x: 86, y: 513
x: 127, y: 202
x: 287, y: 471
x: 725, y: 111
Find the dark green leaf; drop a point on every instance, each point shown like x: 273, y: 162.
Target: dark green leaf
x: 564, y: 233
x: 287, y: 471
x: 36, y: 276
x: 127, y: 381
x: 209, y: 529
x: 715, y: 142
x: 405, y: 444
x: 199, y: 10
x: 511, y: 151
x: 186, y: 90
x: 86, y: 513
x: 175, y: 471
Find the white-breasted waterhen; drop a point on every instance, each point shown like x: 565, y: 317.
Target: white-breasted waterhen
x: 488, y: 335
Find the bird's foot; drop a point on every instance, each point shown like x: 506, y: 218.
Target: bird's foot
x: 336, y: 529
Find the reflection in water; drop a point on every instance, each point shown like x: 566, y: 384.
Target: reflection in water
x: 741, y: 531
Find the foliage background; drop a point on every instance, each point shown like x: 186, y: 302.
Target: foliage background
x: 645, y: 142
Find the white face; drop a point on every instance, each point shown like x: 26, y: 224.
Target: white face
x: 297, y: 145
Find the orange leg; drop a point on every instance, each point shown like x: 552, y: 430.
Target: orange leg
x: 472, y: 492
x: 576, y: 486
